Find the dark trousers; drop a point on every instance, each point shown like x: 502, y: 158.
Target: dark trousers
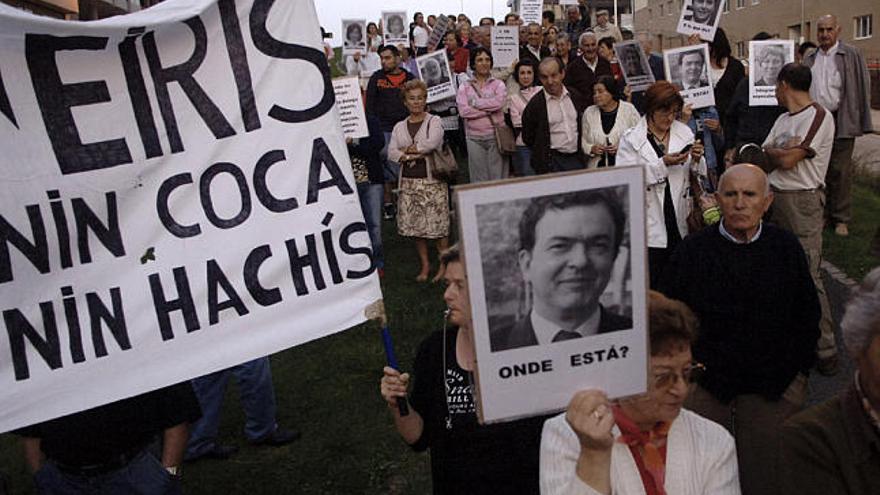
x: 838, y: 182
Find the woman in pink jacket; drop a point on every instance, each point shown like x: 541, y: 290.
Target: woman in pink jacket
x: 480, y: 104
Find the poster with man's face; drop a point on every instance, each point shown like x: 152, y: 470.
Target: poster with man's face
x: 688, y: 69
x: 634, y: 64
x: 700, y: 17
x: 766, y: 58
x: 354, y: 36
x: 556, y: 281
x: 434, y: 71
x: 394, y: 26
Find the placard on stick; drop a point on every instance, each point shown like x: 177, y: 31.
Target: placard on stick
x: 530, y: 11
x: 354, y: 36
x: 688, y: 69
x: 351, y: 107
x: 766, y: 58
x: 701, y: 17
x: 505, y: 45
x: 394, y: 29
x: 434, y: 71
x: 634, y: 64
x: 559, y: 252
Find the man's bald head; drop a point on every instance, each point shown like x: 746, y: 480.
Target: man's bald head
x: 744, y: 197
x: 746, y: 170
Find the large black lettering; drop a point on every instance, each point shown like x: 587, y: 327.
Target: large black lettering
x: 279, y: 49
x: 100, y: 315
x: 321, y: 155
x: 184, y: 303
x: 86, y: 221
x: 37, y: 252
x: 170, y: 224
x: 5, y: 106
x: 182, y: 74
x: 298, y: 263
x: 255, y: 259
x: 261, y: 188
x: 347, y: 248
x: 55, y: 100
x: 217, y: 280
x: 18, y: 328
x: 208, y: 203
x: 239, y: 62
x: 137, y: 93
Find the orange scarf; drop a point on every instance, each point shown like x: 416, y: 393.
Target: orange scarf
x: 648, y: 449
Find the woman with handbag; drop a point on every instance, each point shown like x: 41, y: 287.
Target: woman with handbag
x: 524, y: 75
x: 666, y: 149
x: 480, y: 104
x: 423, y: 199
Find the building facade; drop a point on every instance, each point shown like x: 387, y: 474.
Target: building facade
x: 84, y: 10
x: 787, y: 19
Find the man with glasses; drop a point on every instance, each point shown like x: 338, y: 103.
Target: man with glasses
x: 750, y: 286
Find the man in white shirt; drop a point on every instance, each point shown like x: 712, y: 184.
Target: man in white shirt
x: 568, y: 244
x: 798, y: 150
x: 534, y: 50
x: 841, y: 85
x: 551, y: 122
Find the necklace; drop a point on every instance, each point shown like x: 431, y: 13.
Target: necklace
x: 658, y: 138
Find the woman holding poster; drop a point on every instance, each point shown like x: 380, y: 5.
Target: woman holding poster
x: 423, y: 201
x: 666, y: 149
x: 644, y: 444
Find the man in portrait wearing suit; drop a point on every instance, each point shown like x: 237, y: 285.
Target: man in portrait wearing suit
x: 568, y: 244
x: 693, y: 70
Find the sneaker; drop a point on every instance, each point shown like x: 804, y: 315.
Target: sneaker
x: 841, y: 230
x: 389, y: 211
x: 828, y: 366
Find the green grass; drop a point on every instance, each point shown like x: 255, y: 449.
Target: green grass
x: 852, y: 254
x: 329, y: 390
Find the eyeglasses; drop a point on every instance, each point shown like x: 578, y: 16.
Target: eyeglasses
x: 689, y: 375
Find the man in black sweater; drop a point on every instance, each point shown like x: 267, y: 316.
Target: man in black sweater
x: 750, y: 286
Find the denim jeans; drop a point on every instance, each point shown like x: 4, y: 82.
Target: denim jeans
x: 143, y: 475
x: 563, y: 163
x: 390, y: 169
x: 371, y: 206
x: 257, y: 397
x: 522, y: 161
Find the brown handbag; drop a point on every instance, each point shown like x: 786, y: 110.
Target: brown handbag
x: 444, y: 166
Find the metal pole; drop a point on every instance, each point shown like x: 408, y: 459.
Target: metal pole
x: 801, y: 40
x: 616, y: 19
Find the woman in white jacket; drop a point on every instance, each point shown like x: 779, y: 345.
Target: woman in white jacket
x: 423, y: 200
x: 666, y: 149
x: 604, y: 123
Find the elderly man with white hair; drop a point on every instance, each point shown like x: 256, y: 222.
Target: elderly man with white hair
x: 834, y: 447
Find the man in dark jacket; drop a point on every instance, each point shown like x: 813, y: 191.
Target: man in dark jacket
x: 384, y: 102
x: 534, y: 49
x: 583, y: 72
x: 552, y: 122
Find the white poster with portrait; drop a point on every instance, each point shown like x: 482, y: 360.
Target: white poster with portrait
x: 394, y: 27
x: 530, y: 11
x: 557, y: 286
x: 634, y: 64
x: 766, y: 58
x: 354, y: 36
x: 700, y: 17
x: 688, y: 69
x: 434, y: 71
x: 505, y: 45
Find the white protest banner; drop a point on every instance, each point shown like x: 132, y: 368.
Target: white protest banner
x: 688, y: 69
x: 567, y: 2
x: 700, y: 17
x: 530, y: 11
x: 505, y: 45
x: 351, y: 107
x: 766, y: 58
x: 175, y: 198
x: 354, y: 32
x: 438, y: 32
x: 394, y: 28
x: 634, y: 64
x: 523, y: 367
x: 434, y: 71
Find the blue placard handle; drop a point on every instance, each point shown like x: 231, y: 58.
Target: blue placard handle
x: 402, y: 407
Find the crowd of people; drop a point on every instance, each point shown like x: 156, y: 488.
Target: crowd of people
x: 737, y: 315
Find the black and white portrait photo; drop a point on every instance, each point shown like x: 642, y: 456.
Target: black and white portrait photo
x: 634, y: 64
x: 435, y: 72
x: 700, y: 17
x: 688, y: 68
x: 555, y: 272
x: 394, y: 25
x: 354, y: 36
x: 766, y: 58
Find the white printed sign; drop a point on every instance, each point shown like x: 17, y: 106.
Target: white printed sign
x: 688, y: 68
x: 351, y: 107
x: 530, y: 11
x: 169, y: 207
x: 766, y: 58
x: 505, y: 45
x: 700, y: 17
x: 524, y: 292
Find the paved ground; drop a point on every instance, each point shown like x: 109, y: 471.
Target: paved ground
x: 866, y: 153
x: 822, y: 387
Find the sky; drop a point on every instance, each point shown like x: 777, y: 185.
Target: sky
x: 331, y: 12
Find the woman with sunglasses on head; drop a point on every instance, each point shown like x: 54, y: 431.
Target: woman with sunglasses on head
x: 645, y: 444
x: 666, y: 149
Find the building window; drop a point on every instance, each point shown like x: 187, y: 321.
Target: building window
x: 741, y: 49
x: 756, y: 2
x: 669, y: 9
x: 662, y: 9
x: 740, y: 4
x: 864, y: 27
x: 726, y: 8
